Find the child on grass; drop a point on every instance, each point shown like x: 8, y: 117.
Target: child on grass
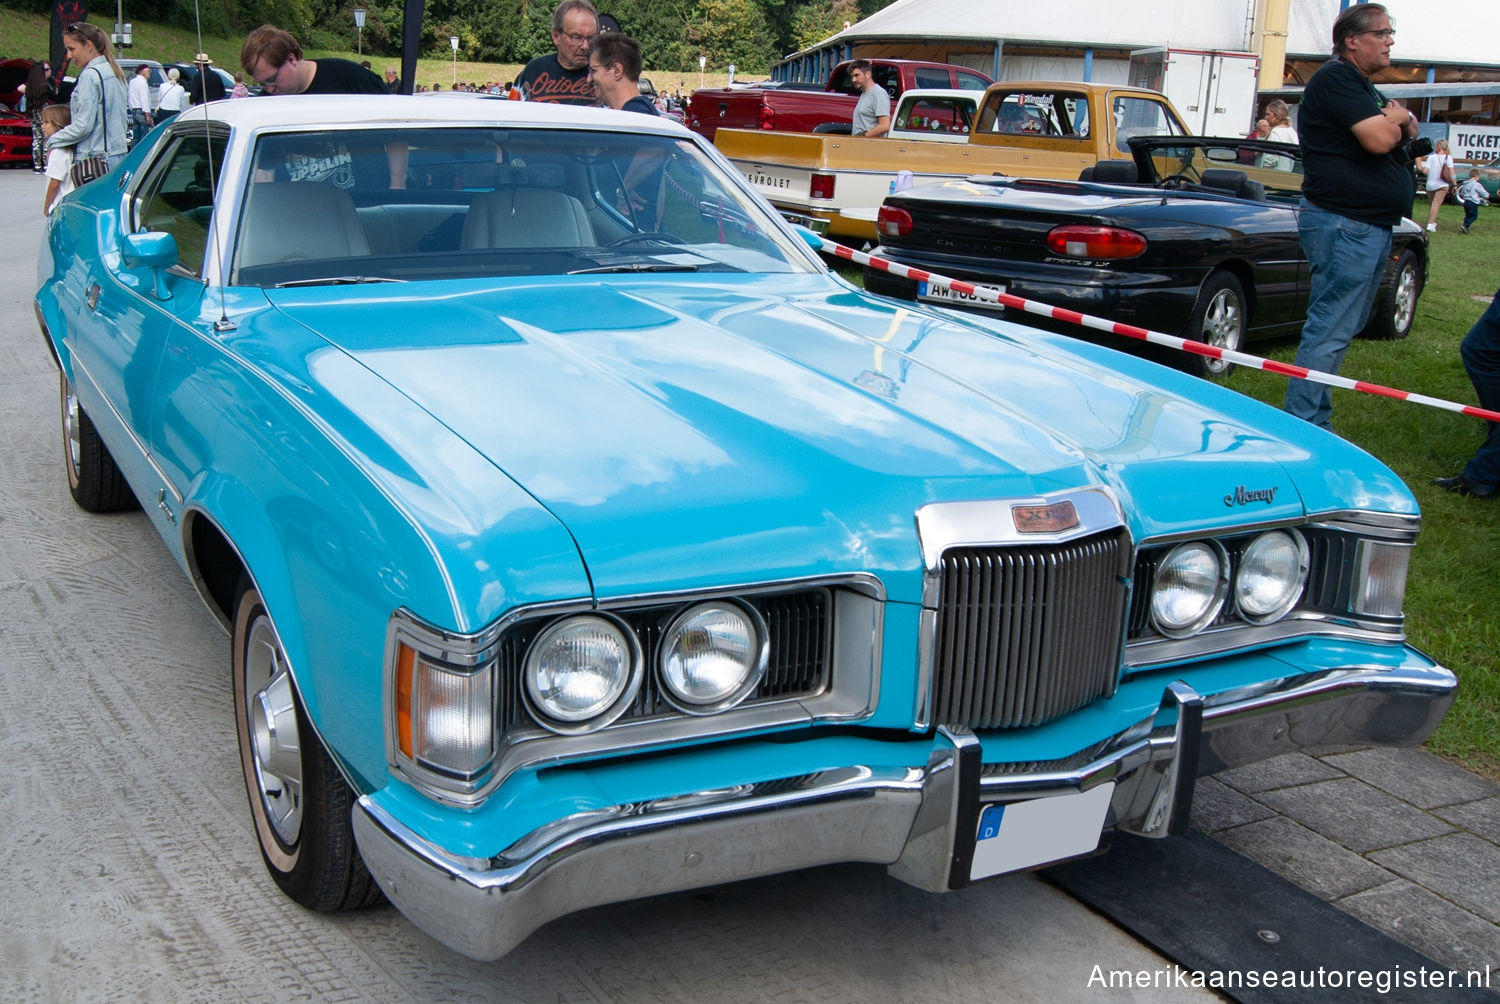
x: 59, y: 159
x: 1472, y: 194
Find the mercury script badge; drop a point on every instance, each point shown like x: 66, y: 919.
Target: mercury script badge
x: 1044, y: 518
x: 1244, y: 496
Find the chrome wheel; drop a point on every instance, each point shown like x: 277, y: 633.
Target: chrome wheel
x: 1395, y: 310
x: 1404, y: 299
x: 299, y: 802
x: 72, y: 447
x: 1221, y: 320
x: 94, y: 481
x: 275, y: 745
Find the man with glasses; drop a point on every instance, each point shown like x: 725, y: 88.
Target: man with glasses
x: 274, y: 60
x: 562, y: 77
x: 1357, y: 184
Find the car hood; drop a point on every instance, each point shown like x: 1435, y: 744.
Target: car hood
x: 708, y: 430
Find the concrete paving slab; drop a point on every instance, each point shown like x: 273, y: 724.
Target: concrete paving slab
x: 1414, y: 776
x: 1278, y: 772
x: 1216, y: 806
x: 1459, y: 867
x: 1296, y: 853
x: 1359, y: 816
x: 1429, y: 924
x: 1481, y: 818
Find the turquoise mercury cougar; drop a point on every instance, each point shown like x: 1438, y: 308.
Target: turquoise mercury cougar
x: 582, y: 538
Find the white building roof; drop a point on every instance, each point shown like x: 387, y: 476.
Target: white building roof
x: 1432, y: 31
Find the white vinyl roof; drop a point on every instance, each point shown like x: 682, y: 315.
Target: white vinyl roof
x: 1429, y: 31
x: 337, y: 111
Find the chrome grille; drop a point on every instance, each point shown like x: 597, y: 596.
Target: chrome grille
x: 1025, y: 634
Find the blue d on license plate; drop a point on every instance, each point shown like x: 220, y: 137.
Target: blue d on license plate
x: 933, y: 293
x: 1021, y: 835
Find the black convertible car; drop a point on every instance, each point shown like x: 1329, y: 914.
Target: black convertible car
x: 1195, y: 237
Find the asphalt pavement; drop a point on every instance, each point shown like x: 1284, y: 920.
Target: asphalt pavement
x: 128, y: 870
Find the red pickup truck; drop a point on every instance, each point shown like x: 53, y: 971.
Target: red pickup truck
x: 798, y: 108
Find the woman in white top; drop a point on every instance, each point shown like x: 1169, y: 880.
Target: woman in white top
x: 1279, y: 115
x: 173, y: 96
x: 1279, y: 118
x: 1437, y: 184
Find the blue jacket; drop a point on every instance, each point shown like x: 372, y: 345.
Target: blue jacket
x: 90, y: 133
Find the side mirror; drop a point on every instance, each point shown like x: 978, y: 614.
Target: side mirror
x: 154, y: 250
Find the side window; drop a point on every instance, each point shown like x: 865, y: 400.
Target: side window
x: 1141, y: 117
x: 889, y: 78
x: 177, y: 197
x: 971, y: 81
x: 930, y: 77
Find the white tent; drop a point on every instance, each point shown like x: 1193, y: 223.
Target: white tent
x: 1462, y: 32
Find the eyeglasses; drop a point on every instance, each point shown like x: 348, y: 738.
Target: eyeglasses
x: 270, y: 81
x: 1384, y: 34
x: 577, y: 39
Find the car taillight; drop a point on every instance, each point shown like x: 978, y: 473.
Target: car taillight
x: 822, y: 186
x: 767, y: 117
x: 893, y: 222
x: 1078, y: 241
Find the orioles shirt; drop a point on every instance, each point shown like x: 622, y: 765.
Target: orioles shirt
x: 544, y: 79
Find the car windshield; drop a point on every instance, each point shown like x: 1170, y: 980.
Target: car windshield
x: 1274, y: 168
x: 485, y: 201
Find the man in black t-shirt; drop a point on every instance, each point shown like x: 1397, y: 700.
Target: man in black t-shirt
x: 1356, y: 186
x: 562, y: 77
x: 274, y: 60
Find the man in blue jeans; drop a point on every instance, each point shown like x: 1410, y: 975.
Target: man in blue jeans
x: 1481, y: 354
x: 1356, y: 186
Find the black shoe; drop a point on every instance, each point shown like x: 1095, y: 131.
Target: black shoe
x: 1460, y: 485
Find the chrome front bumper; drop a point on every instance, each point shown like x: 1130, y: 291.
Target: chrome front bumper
x: 918, y: 820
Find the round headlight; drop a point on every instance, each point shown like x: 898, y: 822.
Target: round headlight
x: 582, y: 673
x: 1191, y: 584
x: 1272, y: 572
x: 712, y: 655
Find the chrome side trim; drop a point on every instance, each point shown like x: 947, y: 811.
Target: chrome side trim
x: 916, y: 819
x: 140, y: 447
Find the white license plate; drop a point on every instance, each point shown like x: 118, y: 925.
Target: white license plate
x: 933, y: 293
x: 1021, y: 835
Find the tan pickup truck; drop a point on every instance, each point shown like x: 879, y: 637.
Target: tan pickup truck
x: 834, y: 184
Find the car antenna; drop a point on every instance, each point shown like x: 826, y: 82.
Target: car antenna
x: 202, y: 62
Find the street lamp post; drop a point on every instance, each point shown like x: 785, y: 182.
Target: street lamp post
x: 453, y: 41
x: 359, y: 27
x: 702, y: 62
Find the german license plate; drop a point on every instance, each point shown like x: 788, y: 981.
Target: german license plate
x: 1020, y: 835
x: 933, y: 293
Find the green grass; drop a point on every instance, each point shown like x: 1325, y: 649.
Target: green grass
x: 1453, y: 592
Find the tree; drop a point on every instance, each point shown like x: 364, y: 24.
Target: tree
x: 816, y: 21
x: 734, y: 31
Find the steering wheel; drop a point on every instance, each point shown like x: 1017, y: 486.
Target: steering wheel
x: 644, y: 237
x: 1177, y: 181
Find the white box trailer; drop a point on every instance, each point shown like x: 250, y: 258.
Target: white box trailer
x: 1214, y: 90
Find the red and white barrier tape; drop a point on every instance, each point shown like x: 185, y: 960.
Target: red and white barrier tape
x: 1155, y: 337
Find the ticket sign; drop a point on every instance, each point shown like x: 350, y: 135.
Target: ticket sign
x: 1474, y: 144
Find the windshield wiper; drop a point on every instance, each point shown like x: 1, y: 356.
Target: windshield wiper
x: 637, y: 266
x: 337, y: 280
